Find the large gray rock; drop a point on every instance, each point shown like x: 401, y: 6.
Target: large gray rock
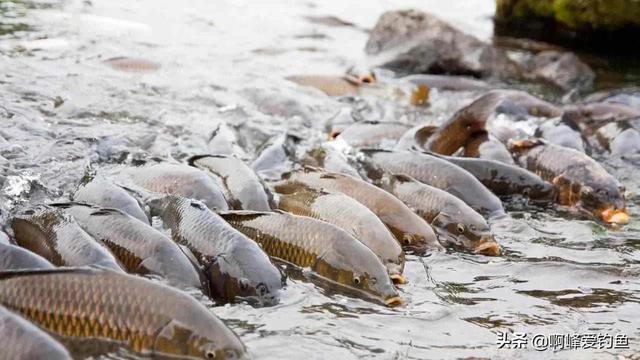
x: 417, y: 42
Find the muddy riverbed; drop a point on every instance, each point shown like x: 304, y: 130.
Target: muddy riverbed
x: 224, y: 62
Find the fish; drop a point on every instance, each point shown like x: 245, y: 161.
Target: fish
x: 472, y: 119
x: 485, y: 146
x: 415, y: 138
x: 625, y: 143
x: 57, y: 237
x: 13, y: 257
x: 332, y: 254
x: 447, y: 82
x: 562, y: 133
x: 589, y: 117
x: 129, y: 64
x: 582, y: 183
x: 372, y: 134
x: 459, y: 128
x: 236, y: 267
x: 506, y: 180
x: 22, y: 340
x: 457, y: 225
x: 100, y: 310
x: 276, y: 155
x: 140, y: 248
x: 98, y: 190
x: 411, y: 232
x: 330, y: 85
x: 618, y: 138
x: 244, y: 190
x: 439, y: 173
x: 347, y: 213
x: 181, y: 180
x: 330, y: 158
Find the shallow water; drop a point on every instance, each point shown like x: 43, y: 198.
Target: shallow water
x: 225, y: 62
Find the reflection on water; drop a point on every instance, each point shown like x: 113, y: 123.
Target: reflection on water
x: 222, y: 65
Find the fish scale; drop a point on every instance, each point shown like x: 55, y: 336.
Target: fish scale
x: 346, y: 213
x: 83, y: 303
x: 140, y: 248
x: 235, y: 265
x: 445, y: 213
x: 408, y: 228
x: 326, y: 249
x: 58, y: 238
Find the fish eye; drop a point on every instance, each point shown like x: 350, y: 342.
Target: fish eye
x: 356, y: 280
x: 406, y: 241
x: 210, y: 354
x: 603, y: 192
x: 373, y: 281
x: 460, y: 228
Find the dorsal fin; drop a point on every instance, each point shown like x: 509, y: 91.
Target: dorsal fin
x: 191, y: 160
x: 4, y: 275
x: 402, y: 178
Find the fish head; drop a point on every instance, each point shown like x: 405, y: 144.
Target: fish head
x: 606, y: 202
x: 541, y: 191
x: 197, y: 342
x: 419, y: 243
x: 360, y: 272
x: 259, y: 283
x: 466, y: 233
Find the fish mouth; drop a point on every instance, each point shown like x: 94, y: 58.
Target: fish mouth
x: 398, y: 279
x: 394, y: 301
x: 488, y: 248
x: 619, y: 216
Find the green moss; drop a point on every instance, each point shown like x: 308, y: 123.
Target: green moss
x: 575, y: 14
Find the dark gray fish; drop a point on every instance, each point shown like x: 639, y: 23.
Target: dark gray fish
x: 57, y: 237
x: 438, y: 173
x: 582, y: 183
x: 506, y: 180
x: 180, y: 180
x: 22, y: 340
x: 457, y: 225
x: 102, y: 192
x: 563, y: 134
x: 235, y: 265
x: 13, y: 257
x: 140, y: 248
x: 244, y: 189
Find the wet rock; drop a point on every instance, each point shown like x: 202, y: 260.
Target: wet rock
x: 562, y: 69
x: 417, y: 42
